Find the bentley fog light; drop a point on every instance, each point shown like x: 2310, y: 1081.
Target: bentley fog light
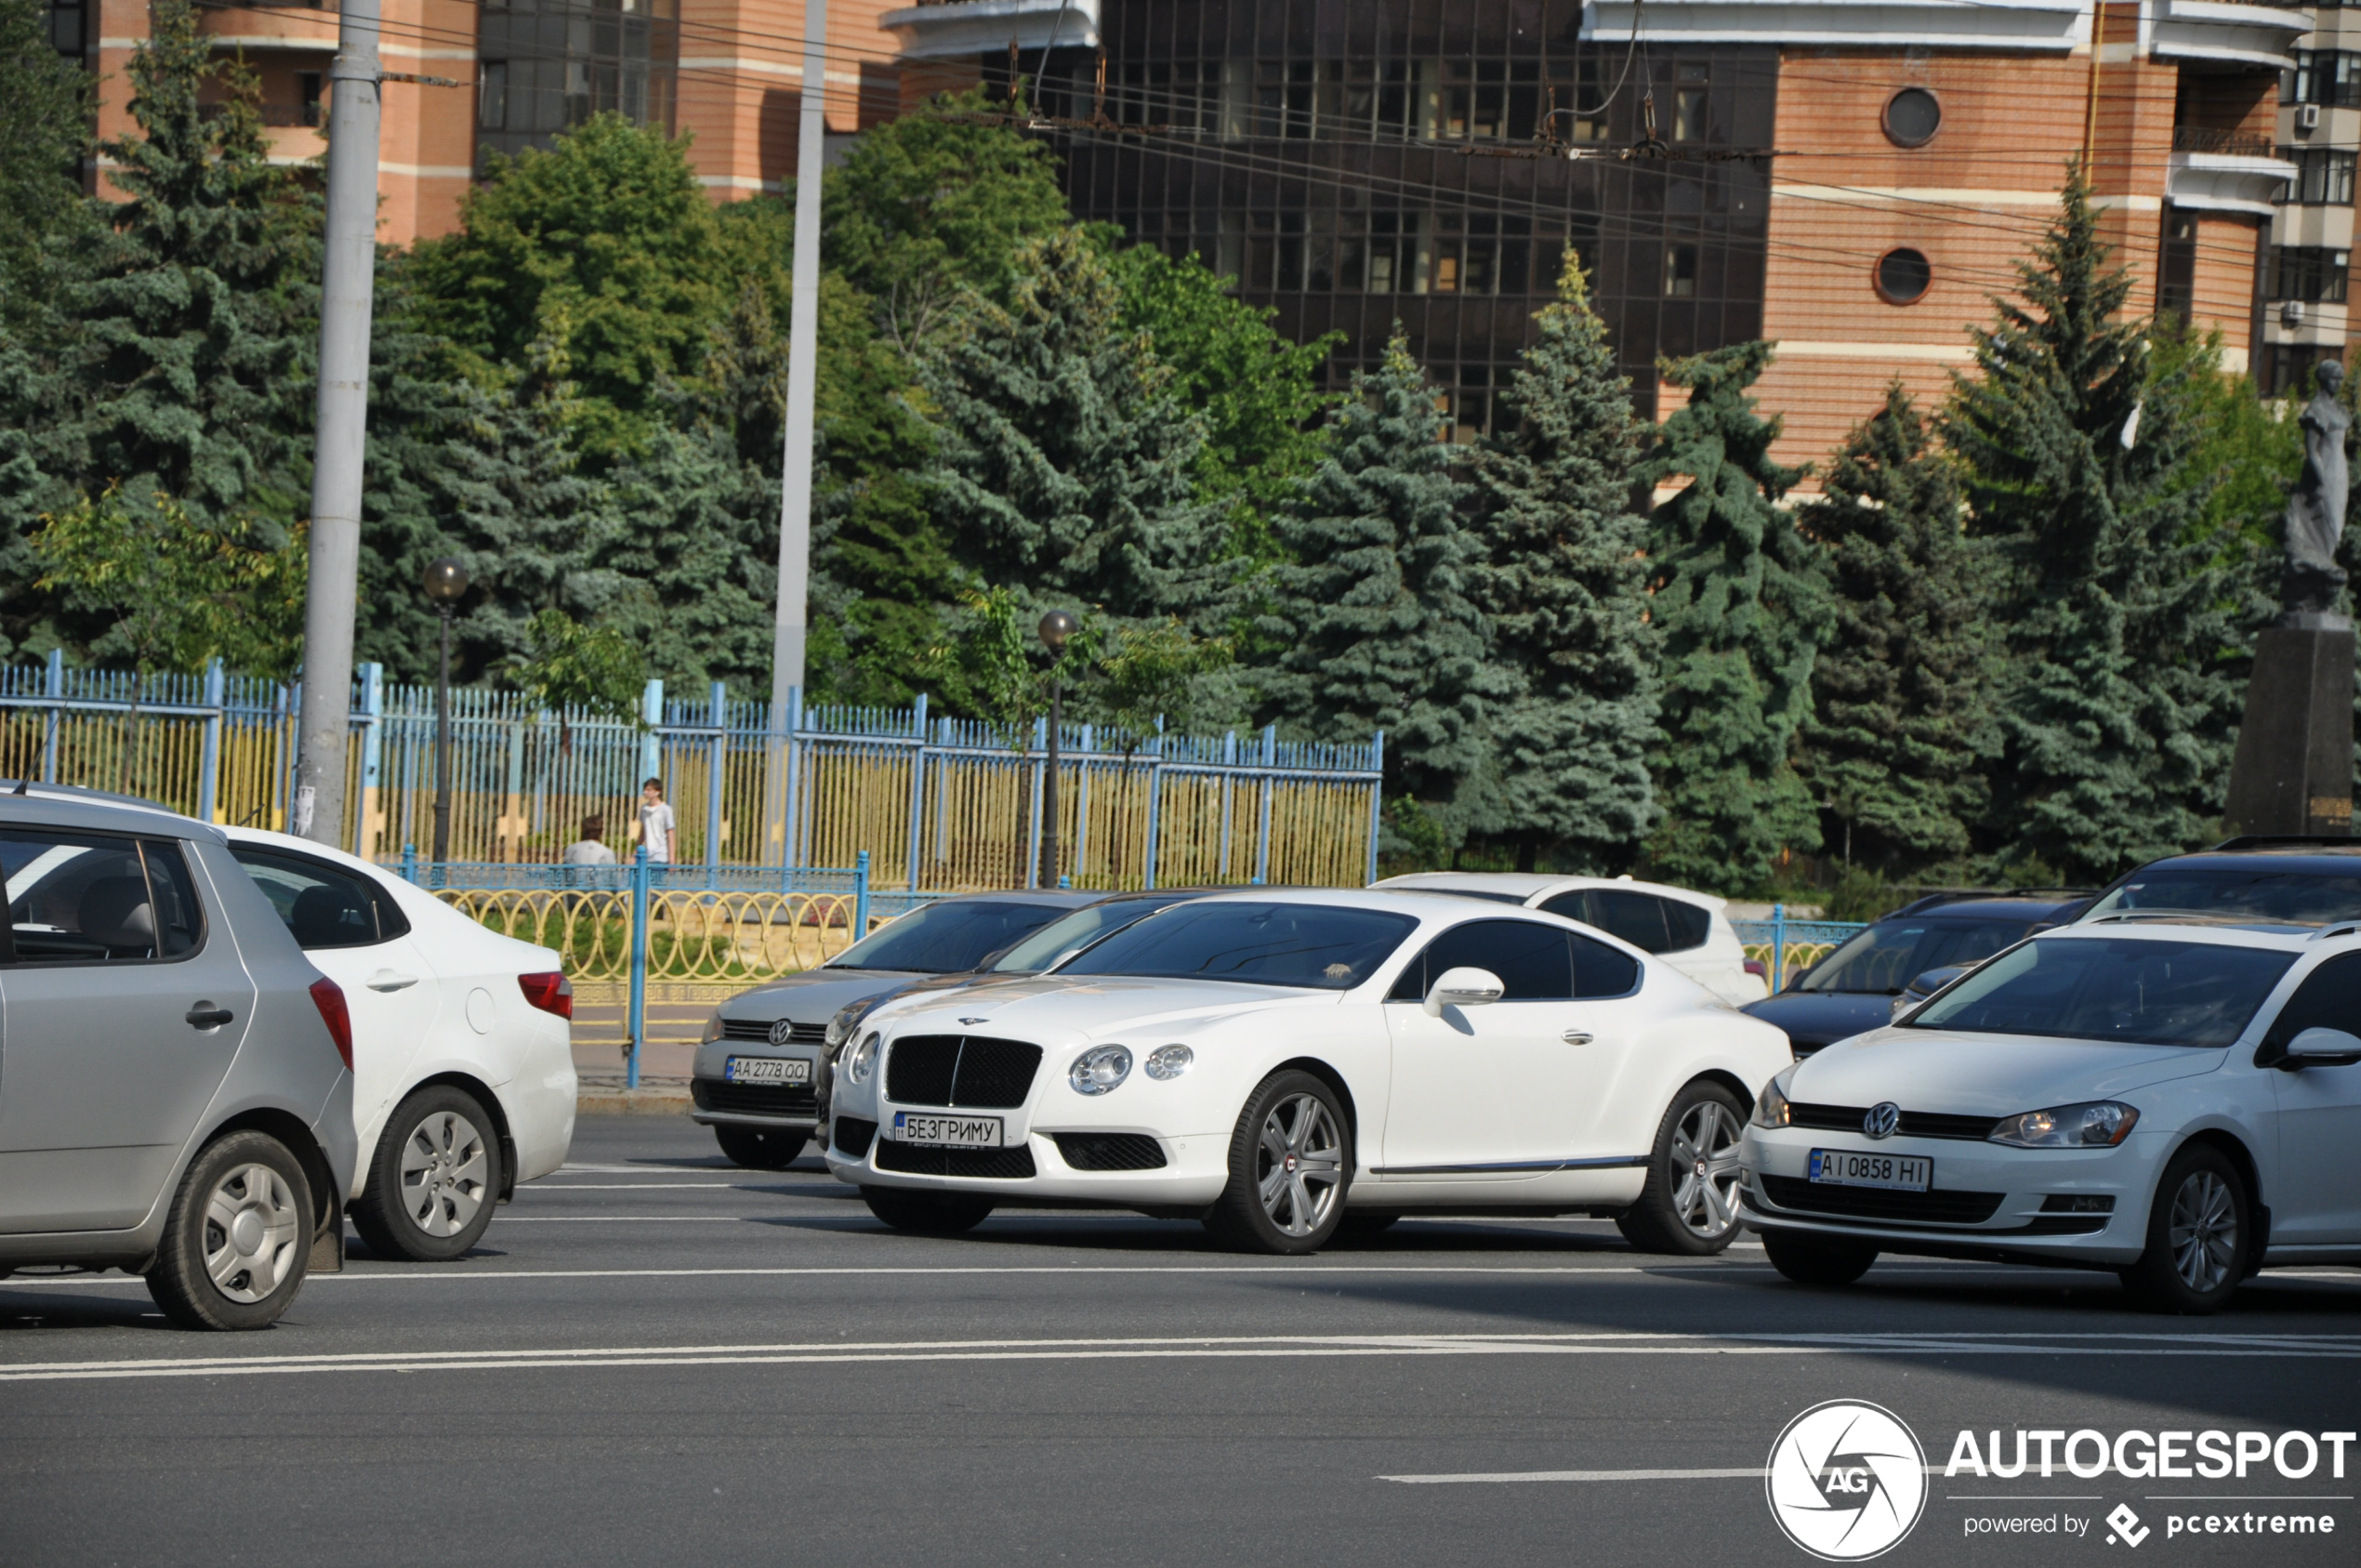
x: 1773, y: 1109
x: 1100, y: 1069
x: 863, y: 1059
x: 1169, y: 1062
x: 2099, y: 1123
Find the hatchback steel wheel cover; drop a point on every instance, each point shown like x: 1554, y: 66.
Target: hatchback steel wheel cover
x: 1298, y: 1163
x: 1705, y: 1168
x: 442, y: 1174
x: 2203, y: 1231
x: 251, y: 1232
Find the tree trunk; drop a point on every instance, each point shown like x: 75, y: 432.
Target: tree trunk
x: 130, y: 734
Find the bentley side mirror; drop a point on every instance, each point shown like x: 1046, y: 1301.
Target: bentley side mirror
x: 1463, y: 988
x: 2314, y: 1048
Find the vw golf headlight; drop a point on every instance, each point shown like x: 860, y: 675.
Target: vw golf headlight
x: 2098, y: 1124
x: 863, y: 1059
x: 1773, y: 1109
x: 1169, y: 1062
x: 713, y: 1027
x: 1100, y: 1069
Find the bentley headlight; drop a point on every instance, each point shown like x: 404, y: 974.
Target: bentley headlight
x: 847, y: 1019
x: 863, y: 1059
x: 1100, y: 1069
x: 2098, y: 1124
x: 1169, y: 1062
x: 1773, y: 1109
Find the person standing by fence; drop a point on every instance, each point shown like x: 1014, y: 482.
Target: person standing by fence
x: 655, y: 829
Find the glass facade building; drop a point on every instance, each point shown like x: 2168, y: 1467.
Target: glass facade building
x: 545, y: 65
x: 1358, y: 163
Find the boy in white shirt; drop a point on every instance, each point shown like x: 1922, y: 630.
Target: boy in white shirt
x: 656, y: 826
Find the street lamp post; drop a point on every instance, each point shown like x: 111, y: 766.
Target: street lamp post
x: 446, y: 581
x: 1056, y: 627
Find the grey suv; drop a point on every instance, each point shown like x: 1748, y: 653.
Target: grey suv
x: 175, y: 1084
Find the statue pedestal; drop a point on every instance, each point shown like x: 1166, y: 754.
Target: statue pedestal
x: 2293, y: 772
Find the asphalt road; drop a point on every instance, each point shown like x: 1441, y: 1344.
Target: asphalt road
x: 657, y: 1358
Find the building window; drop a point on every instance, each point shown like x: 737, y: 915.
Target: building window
x: 307, y: 97
x: 1680, y: 272
x: 2324, y: 177
x: 2314, y: 274
x: 2329, y: 76
x: 1912, y: 116
x: 1689, y: 104
x: 65, y: 27
x: 1902, y: 276
x: 2177, y: 268
x: 492, y: 95
x: 2287, y: 373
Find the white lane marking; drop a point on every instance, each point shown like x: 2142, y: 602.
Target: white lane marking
x: 1214, y: 1347
x: 1755, y: 1473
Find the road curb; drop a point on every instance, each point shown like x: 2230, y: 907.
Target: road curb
x: 632, y: 1102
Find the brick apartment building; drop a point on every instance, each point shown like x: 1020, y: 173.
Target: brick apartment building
x: 1852, y: 178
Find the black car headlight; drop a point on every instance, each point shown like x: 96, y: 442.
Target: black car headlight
x: 2096, y: 1124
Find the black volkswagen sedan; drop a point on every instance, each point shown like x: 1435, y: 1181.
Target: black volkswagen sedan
x: 1853, y: 988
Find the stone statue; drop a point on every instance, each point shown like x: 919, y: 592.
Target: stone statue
x: 2316, y: 506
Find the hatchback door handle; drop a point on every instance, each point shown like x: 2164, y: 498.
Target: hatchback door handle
x: 386, y: 980
x: 205, y: 1015
x: 1575, y: 1037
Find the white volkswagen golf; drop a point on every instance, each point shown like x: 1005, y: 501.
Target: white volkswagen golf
x: 1279, y: 1064
x: 463, y: 1057
x: 2178, y: 1103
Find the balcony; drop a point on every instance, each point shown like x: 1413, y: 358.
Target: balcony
x: 966, y: 29
x: 2228, y: 32
x: 2236, y: 144
x: 2225, y: 171
x: 270, y: 29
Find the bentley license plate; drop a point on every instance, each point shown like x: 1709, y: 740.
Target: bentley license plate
x: 1895, y: 1173
x: 946, y: 1132
x: 768, y: 1070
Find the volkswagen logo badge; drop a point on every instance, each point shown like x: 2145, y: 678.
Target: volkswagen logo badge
x: 1882, y: 1119
x: 782, y: 1031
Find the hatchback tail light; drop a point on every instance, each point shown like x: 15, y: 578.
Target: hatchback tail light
x: 552, y: 993
x: 329, y: 1000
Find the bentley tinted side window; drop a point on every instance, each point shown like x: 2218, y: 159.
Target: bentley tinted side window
x: 1531, y: 959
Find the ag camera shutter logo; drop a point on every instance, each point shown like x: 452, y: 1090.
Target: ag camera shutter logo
x: 1847, y: 1481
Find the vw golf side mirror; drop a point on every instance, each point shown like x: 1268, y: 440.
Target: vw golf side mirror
x: 1463, y: 988
x: 2314, y: 1048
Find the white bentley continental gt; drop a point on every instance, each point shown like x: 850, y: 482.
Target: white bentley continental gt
x: 1282, y: 1065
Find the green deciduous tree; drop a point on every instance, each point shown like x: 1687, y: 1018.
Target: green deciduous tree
x: 1904, y: 730
x: 1255, y: 390
x: 607, y: 246
x: 1561, y: 585
x: 1743, y: 608
x: 933, y: 207
x: 1153, y: 673
x: 568, y: 668
x: 1064, y: 463
x: 173, y: 592
x: 2125, y: 626
x: 1372, y: 617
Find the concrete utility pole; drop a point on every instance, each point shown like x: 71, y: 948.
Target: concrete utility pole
x: 794, y: 467
x: 803, y: 348
x: 348, y: 286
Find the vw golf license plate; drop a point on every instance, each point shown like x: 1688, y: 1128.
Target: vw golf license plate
x: 768, y: 1070
x: 946, y: 1132
x: 1896, y: 1173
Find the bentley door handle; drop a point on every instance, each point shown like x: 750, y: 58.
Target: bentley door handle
x: 386, y: 980
x: 1575, y: 1037
x: 205, y: 1015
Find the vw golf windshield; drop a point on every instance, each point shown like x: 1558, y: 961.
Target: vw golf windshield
x: 1303, y: 945
x: 2114, y: 988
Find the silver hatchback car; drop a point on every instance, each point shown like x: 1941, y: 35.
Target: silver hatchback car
x: 175, y: 1082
